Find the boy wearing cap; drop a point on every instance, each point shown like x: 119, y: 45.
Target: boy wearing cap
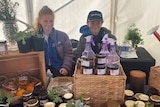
x: 93, y: 27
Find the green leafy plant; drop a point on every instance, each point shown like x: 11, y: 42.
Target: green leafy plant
x: 5, y: 98
x: 54, y: 95
x: 27, y: 33
x: 8, y: 10
x: 134, y: 34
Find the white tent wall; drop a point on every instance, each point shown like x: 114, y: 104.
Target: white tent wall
x: 145, y: 14
x: 72, y: 16
x: 21, y: 15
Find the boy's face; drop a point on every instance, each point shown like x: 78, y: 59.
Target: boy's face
x: 95, y: 26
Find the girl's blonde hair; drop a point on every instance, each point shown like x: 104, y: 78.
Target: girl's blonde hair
x: 44, y: 11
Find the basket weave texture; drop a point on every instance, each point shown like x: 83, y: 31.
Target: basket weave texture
x: 154, y: 78
x: 100, y: 88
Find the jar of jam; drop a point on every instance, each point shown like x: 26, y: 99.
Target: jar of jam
x: 43, y: 97
x: 113, y: 69
x: 22, y: 80
x: 32, y: 103
x: 101, y: 59
x: 100, y: 69
x: 87, y: 70
x: 27, y: 95
x: 3, y: 47
x: 129, y: 94
x: 155, y: 100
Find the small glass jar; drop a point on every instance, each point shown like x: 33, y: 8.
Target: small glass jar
x: 3, y: 47
x: 101, y: 59
x: 27, y: 95
x: 43, y: 97
x: 129, y: 94
x: 67, y: 97
x: 155, y: 100
x: 114, y: 70
x: 100, y: 69
x: 87, y: 70
x: 32, y: 103
x: 22, y: 79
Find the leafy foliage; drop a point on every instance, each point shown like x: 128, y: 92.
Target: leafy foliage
x: 8, y: 10
x: 55, y: 96
x: 5, y: 98
x: 134, y: 34
x: 22, y: 35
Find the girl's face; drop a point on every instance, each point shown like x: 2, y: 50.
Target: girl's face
x: 95, y: 26
x: 47, y: 23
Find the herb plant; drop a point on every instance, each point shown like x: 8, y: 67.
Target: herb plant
x: 55, y: 96
x: 134, y: 34
x: 5, y: 98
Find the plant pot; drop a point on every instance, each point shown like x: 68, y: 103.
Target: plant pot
x: 24, y: 48
x: 37, y: 44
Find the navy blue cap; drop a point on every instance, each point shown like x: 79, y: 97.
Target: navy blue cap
x: 94, y: 15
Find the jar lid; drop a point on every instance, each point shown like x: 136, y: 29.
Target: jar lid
x: 139, y: 104
x: 113, y: 67
x: 68, y: 95
x: 62, y: 105
x: 49, y: 104
x: 128, y: 92
x: 137, y: 95
x: 89, y: 67
x: 155, y: 98
x: 32, y: 102
x: 129, y: 103
x: 143, y: 97
x: 27, y: 93
x: 100, y: 56
x: 86, y: 59
x: 101, y: 66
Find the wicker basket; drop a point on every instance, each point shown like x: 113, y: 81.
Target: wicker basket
x: 65, y: 82
x: 100, y: 88
x: 154, y: 79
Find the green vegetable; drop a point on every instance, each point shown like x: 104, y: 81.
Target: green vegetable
x: 54, y: 95
x: 5, y: 98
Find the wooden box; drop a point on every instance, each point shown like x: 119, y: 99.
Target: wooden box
x: 32, y: 63
x: 100, y: 88
x: 154, y: 78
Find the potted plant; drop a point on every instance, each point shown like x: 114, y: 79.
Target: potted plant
x: 37, y: 41
x: 134, y: 35
x: 8, y: 17
x: 5, y: 99
x: 23, y: 39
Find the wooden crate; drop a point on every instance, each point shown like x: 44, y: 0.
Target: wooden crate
x: 100, y: 88
x: 32, y: 63
x: 154, y: 78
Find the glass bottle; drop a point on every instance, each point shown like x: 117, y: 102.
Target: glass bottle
x: 88, y: 54
x: 113, y: 57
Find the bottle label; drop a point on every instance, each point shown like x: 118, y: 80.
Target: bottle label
x: 85, y: 63
x: 102, y: 60
x: 114, y: 72
x: 101, y: 71
x: 87, y: 71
